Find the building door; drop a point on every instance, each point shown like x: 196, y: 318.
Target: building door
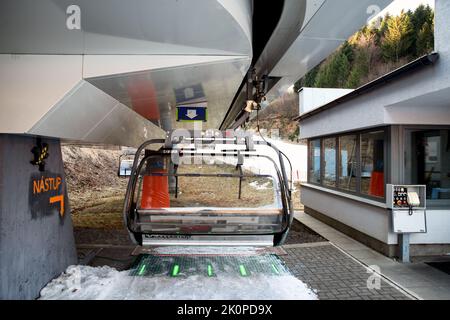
x: 430, y: 162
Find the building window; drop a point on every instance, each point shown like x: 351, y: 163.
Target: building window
x: 352, y: 162
x: 329, y: 162
x: 348, y: 169
x: 314, y: 161
x: 428, y: 163
x: 372, y: 163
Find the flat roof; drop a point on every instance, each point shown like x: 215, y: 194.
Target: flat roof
x: 415, y: 65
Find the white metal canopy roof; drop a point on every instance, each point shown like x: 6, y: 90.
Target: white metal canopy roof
x: 117, y: 78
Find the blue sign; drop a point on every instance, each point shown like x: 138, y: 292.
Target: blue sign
x: 192, y: 113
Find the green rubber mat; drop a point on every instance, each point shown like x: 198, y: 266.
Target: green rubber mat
x: 209, y: 266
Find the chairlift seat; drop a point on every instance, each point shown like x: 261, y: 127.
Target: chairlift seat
x: 158, y: 221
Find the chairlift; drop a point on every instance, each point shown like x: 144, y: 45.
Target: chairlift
x: 199, y: 191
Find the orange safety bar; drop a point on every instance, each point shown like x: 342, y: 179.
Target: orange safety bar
x: 155, y: 191
x: 376, y: 187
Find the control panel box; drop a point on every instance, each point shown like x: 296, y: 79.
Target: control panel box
x: 408, y: 206
x: 405, y: 197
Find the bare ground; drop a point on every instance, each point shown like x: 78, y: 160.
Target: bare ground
x: 96, y: 193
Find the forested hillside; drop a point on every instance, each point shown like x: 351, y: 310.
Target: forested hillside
x: 377, y: 49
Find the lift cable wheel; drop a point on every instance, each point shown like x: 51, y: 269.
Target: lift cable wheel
x: 183, y: 194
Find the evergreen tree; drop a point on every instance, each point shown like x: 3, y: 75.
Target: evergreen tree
x: 348, y: 50
x: 334, y: 72
x: 410, y: 34
x: 398, y: 38
x: 423, y: 14
x: 323, y: 77
x: 425, y: 39
x: 299, y: 84
x: 423, y: 24
x: 342, y: 69
x: 383, y: 28
x: 310, y: 77
x: 359, y: 70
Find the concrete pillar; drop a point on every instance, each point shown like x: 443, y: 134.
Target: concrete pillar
x: 441, y: 39
x: 442, y: 25
x: 36, y: 232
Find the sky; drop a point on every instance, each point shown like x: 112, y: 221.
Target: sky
x: 397, y: 5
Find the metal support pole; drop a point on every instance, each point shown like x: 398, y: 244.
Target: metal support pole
x: 404, y: 247
x: 240, y: 181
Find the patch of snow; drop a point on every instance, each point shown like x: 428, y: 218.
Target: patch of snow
x: 259, y: 165
x: 263, y: 186
x: 86, y: 283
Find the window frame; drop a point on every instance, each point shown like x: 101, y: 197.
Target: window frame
x: 386, y: 164
x: 310, y: 162
x: 322, y: 161
x: 357, y: 156
x: 358, y: 134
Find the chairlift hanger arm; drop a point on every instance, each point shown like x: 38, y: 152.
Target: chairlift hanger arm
x: 219, y: 175
x: 133, y: 176
x: 281, y: 160
x: 249, y: 143
x: 245, y: 141
x: 280, y: 174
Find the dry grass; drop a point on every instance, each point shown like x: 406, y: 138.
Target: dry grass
x: 97, y: 199
x: 100, y: 209
x: 95, y: 191
x: 219, y: 191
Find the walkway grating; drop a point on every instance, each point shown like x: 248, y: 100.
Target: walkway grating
x: 209, y: 266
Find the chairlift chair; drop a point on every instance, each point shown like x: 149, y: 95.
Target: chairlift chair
x: 184, y: 194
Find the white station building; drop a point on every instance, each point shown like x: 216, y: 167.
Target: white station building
x: 394, y: 130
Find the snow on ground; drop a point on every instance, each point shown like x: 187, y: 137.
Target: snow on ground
x: 86, y: 283
x: 263, y: 186
x: 296, y: 153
